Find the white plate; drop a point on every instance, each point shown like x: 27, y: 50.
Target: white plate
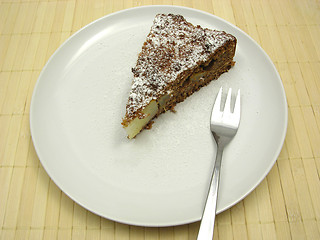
x: 161, y: 177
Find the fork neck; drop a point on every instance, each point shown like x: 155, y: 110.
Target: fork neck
x: 221, y: 141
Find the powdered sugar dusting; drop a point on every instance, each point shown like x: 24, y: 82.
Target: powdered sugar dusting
x: 173, y: 48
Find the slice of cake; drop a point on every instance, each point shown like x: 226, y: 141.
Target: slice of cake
x: 176, y: 60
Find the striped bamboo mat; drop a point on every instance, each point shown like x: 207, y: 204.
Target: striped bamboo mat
x: 286, y: 205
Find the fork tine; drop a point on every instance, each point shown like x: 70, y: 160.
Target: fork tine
x: 227, y: 106
x: 217, y: 103
x: 236, y: 111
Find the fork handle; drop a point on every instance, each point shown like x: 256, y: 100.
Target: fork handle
x: 209, y: 213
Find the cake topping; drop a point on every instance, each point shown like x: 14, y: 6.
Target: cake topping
x: 172, y: 47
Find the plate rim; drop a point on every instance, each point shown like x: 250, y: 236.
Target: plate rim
x: 160, y: 7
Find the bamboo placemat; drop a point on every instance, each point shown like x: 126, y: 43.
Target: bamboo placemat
x: 286, y: 205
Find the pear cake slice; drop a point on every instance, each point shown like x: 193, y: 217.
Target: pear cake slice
x: 176, y: 60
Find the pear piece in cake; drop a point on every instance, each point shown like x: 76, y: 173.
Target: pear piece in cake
x: 176, y: 60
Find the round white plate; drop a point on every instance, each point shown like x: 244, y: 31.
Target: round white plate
x: 161, y: 177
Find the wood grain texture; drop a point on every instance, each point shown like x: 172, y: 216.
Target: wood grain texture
x: 286, y: 205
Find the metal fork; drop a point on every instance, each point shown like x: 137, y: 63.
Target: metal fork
x: 223, y: 125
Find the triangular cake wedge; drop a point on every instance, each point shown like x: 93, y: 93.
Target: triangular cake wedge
x: 176, y: 60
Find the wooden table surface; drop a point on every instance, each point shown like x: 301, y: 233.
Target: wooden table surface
x: 286, y: 205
